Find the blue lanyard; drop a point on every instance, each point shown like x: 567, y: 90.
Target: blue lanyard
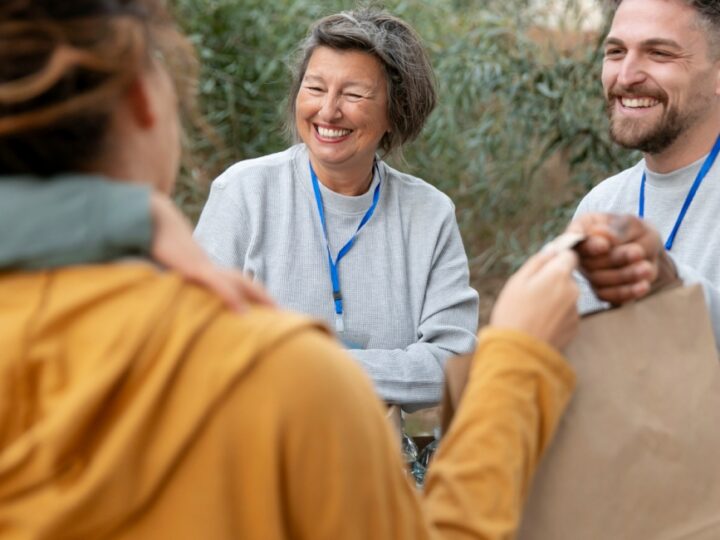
x: 334, y: 276
x: 690, y: 196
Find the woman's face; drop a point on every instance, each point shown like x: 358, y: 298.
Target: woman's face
x: 341, y: 109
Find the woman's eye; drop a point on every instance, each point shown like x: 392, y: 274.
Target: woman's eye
x: 353, y: 96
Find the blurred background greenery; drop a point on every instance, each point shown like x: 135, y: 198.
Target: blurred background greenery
x: 519, y: 134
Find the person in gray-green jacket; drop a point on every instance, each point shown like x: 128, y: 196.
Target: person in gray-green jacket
x: 76, y: 219
x: 80, y: 219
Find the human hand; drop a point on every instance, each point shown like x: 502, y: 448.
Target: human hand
x: 623, y: 257
x: 174, y: 247
x: 540, y: 299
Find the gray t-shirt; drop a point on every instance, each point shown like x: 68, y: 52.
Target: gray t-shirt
x: 405, y: 282
x: 696, y: 249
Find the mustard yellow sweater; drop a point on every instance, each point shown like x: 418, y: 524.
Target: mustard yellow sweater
x: 133, y: 405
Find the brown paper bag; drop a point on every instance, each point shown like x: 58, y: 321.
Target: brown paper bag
x: 637, y: 454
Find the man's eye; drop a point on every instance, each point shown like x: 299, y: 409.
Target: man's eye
x: 314, y: 88
x: 613, y: 52
x: 661, y: 54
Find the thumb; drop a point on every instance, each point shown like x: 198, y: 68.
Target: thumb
x: 535, y: 263
x: 563, y: 263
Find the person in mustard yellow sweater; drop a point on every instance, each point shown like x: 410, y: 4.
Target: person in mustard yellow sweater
x: 136, y: 404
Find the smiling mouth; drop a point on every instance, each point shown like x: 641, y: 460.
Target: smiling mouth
x: 332, y: 133
x: 638, y: 102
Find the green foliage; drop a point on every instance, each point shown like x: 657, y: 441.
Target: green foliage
x: 518, y: 136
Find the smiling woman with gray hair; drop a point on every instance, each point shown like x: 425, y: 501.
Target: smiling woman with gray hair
x: 335, y: 232
x: 408, y: 74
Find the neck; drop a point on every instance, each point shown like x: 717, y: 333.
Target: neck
x: 122, y: 163
x: 689, y: 147
x: 343, y: 180
x: 117, y: 170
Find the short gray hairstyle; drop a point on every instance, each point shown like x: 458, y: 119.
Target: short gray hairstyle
x: 410, y: 79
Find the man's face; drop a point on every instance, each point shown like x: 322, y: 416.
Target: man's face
x: 659, y: 75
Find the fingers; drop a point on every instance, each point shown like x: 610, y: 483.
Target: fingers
x: 534, y: 263
x: 620, y: 256
x: 596, y: 230
x: 564, y: 260
x: 583, y: 224
x: 606, y: 231
x: 620, y: 228
x: 254, y: 292
x: 563, y: 263
x: 640, y: 271
x: 226, y: 287
x: 621, y: 294
x: 238, y: 290
x: 540, y: 299
x: 595, y: 246
x: 558, y: 273
x: 174, y: 246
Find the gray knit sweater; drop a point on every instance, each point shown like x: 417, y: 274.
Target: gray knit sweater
x: 696, y: 250
x: 405, y: 284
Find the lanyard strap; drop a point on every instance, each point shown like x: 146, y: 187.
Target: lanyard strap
x: 690, y: 196
x: 334, y: 276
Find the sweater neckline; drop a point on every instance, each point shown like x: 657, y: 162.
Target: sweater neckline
x: 332, y: 201
x: 679, y: 178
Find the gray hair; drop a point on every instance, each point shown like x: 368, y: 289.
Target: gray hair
x: 708, y: 12
x: 410, y: 78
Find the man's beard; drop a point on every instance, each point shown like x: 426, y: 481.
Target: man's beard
x: 649, y: 141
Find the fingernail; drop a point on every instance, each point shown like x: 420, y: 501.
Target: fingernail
x: 619, y: 224
x: 565, y: 241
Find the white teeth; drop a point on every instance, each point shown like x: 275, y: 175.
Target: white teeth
x: 332, y: 133
x: 638, y: 103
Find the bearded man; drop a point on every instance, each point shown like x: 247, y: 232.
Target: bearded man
x: 661, y: 79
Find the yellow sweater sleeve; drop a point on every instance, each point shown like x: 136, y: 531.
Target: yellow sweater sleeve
x: 516, y: 393
x: 345, y: 478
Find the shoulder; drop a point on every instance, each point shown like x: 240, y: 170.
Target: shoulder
x: 313, y: 386
x: 254, y: 173
x: 417, y: 193
x: 180, y: 315
x: 613, y: 193
x: 300, y: 370
x: 315, y: 362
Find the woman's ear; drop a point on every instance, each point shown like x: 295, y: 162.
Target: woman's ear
x: 139, y: 102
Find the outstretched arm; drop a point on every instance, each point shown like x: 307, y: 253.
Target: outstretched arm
x: 345, y: 476
x: 518, y: 388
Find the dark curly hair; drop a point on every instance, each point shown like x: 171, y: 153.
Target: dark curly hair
x: 62, y: 66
